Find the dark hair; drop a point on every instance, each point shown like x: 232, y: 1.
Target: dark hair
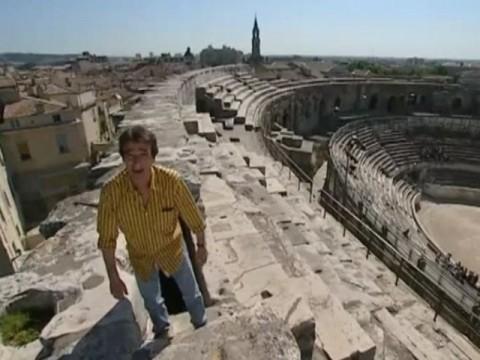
x: 138, y: 134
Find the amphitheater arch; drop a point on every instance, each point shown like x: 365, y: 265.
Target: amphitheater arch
x: 306, y: 109
x: 337, y: 103
x: 322, y: 107
x: 284, y: 118
x: 373, y: 102
x: 392, y: 104
x: 412, y: 99
x: 456, y: 104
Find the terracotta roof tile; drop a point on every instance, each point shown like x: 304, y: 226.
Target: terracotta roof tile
x: 29, y: 106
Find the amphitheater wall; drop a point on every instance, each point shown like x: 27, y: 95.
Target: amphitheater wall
x: 452, y: 194
x: 323, y: 108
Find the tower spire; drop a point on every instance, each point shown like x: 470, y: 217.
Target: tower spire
x: 256, y: 57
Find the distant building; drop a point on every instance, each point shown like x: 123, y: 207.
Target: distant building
x: 88, y: 63
x: 188, y: 57
x: 47, y: 147
x: 8, y: 91
x: 415, y: 61
x: 256, y: 57
x: 109, y: 109
x: 11, y: 229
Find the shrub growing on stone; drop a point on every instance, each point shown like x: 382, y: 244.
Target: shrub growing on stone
x: 19, y: 328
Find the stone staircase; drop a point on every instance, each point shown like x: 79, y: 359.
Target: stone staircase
x: 376, y: 311
x: 248, y: 225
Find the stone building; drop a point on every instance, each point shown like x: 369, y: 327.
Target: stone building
x: 47, y: 147
x: 83, y: 101
x: 90, y: 63
x: 8, y: 91
x: 11, y: 229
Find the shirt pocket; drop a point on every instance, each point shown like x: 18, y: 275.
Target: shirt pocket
x: 167, y: 219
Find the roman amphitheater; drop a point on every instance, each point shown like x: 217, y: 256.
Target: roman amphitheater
x: 337, y: 210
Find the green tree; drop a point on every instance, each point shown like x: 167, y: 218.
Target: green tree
x: 211, y: 56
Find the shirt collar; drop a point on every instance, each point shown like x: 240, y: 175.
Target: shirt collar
x: 153, y: 181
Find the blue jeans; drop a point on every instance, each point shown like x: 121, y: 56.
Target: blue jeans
x: 151, y: 292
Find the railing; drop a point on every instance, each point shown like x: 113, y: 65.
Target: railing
x: 433, y: 283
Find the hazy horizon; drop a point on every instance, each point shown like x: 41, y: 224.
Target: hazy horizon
x: 429, y: 29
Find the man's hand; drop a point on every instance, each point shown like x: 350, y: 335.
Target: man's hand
x: 118, y: 288
x: 201, y: 255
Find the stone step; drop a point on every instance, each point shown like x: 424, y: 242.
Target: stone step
x: 206, y: 128
x: 191, y: 124
x: 274, y: 186
x: 255, y: 162
x: 229, y: 156
x: 416, y: 344
x: 258, y: 275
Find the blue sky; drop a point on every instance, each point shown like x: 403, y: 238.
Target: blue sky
x: 400, y: 28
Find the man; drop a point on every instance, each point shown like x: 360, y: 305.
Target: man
x: 145, y: 202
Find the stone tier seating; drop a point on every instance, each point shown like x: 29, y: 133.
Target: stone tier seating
x: 233, y: 94
x: 391, y: 152
x: 454, y: 178
x: 199, y: 123
x: 264, y: 273
x: 387, y: 153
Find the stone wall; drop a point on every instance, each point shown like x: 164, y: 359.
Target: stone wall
x: 322, y: 108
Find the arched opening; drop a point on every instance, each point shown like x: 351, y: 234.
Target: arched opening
x: 423, y: 100
x: 321, y: 107
x: 412, y: 99
x: 284, y: 118
x: 337, y: 104
x: 306, y: 110
x: 391, y: 104
x: 456, y: 104
x: 373, y: 102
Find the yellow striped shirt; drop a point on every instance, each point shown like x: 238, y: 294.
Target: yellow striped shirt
x: 152, y: 233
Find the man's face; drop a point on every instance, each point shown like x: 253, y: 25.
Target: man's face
x: 138, y: 160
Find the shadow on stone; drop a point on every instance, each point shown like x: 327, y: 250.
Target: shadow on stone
x: 116, y: 336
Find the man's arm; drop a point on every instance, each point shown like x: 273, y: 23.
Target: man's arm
x: 117, y: 287
x: 107, y: 229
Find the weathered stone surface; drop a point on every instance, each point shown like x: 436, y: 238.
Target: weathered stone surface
x: 253, y: 334
x: 66, y: 211
x: 292, y: 141
x: 116, y: 335
x: 414, y: 342
x: 252, y: 260
x: 27, y: 352
x: 27, y: 290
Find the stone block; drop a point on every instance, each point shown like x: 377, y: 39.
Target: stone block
x: 253, y: 334
x: 98, y: 325
x: 416, y: 344
x: 206, y: 128
x: 337, y: 332
x: 292, y: 141
x: 263, y: 280
x: 274, y: 186
x: 191, y: 125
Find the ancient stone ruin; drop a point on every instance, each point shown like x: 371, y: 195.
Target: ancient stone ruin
x: 293, y: 272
